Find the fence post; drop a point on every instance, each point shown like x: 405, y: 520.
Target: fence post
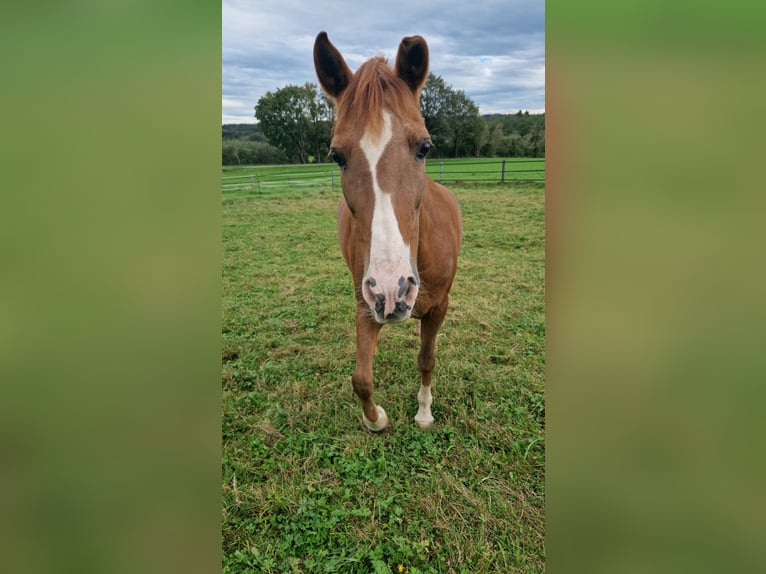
x: 502, y: 173
x: 441, y: 172
x: 258, y: 182
x: 332, y: 175
x: 252, y: 183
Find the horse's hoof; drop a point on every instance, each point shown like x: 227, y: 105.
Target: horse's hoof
x: 425, y: 422
x: 379, y: 424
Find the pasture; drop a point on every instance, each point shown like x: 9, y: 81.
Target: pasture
x: 306, y: 488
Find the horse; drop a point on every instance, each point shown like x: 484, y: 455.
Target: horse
x: 399, y: 231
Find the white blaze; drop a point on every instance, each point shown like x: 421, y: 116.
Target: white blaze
x: 389, y: 254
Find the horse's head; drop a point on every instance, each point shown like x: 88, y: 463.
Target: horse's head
x: 380, y: 142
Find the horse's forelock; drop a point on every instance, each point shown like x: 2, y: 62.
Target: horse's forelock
x: 373, y: 88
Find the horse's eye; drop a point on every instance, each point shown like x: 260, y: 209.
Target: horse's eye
x: 338, y: 157
x: 425, y: 147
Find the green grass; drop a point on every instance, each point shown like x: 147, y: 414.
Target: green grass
x: 309, y: 178
x: 305, y: 487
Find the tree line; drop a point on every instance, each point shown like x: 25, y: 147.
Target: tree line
x: 294, y: 125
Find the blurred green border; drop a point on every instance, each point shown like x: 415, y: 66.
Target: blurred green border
x: 110, y: 297
x: 654, y: 310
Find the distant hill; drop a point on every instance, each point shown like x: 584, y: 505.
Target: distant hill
x: 247, y: 132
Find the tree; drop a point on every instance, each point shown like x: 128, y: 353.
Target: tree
x: 452, y: 119
x: 516, y: 135
x: 433, y: 106
x: 297, y: 120
x: 495, y: 136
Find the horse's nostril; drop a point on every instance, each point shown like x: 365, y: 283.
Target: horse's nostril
x: 371, y: 282
x: 403, y: 288
x: 405, y: 285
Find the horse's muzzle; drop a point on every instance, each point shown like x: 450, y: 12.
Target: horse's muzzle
x: 392, y: 304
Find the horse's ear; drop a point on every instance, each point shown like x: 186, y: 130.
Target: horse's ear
x: 332, y: 71
x: 412, y: 62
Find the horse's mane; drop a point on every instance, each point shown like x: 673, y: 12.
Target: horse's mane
x: 373, y: 87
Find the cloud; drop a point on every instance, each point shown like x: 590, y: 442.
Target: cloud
x: 493, y: 50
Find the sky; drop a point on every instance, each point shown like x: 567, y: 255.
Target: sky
x: 493, y: 50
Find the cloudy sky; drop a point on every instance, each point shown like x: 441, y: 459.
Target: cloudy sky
x: 494, y: 50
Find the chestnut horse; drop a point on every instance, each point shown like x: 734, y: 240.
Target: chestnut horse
x: 399, y: 231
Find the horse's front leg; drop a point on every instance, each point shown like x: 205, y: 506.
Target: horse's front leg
x: 429, y: 327
x: 367, y: 330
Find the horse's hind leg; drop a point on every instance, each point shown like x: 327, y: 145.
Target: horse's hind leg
x: 429, y: 327
x: 367, y: 330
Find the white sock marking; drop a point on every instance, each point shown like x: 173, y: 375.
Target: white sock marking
x: 424, y: 419
x: 379, y: 424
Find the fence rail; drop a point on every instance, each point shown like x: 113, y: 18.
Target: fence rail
x: 282, y: 178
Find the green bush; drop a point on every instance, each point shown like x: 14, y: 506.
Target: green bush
x: 247, y: 152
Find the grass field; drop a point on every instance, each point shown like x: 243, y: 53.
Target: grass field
x: 307, y: 178
x: 305, y: 487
